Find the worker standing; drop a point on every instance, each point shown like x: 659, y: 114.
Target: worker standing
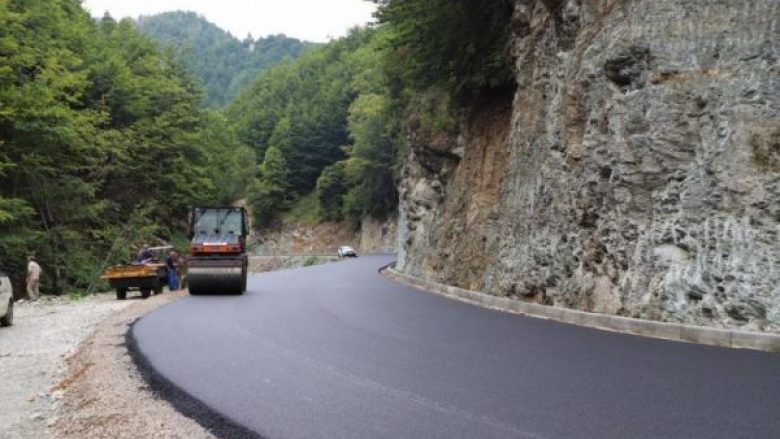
x: 172, y: 263
x: 33, y: 278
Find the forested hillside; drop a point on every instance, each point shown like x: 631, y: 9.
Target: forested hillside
x: 224, y: 64
x: 103, y: 140
x: 323, y: 122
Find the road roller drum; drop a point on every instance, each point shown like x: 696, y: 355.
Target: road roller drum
x: 217, y: 276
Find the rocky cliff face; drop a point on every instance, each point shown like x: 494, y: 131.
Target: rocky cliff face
x: 634, y: 171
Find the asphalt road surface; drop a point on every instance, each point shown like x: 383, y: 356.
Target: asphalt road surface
x: 338, y: 351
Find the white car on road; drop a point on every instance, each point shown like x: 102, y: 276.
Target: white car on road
x: 347, y: 251
x: 6, y: 301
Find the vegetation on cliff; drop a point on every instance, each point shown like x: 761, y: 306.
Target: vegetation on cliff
x: 461, y: 47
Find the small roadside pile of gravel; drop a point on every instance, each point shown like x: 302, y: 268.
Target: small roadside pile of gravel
x: 104, y: 395
x: 32, y: 358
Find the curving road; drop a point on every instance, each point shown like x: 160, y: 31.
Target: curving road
x: 338, y: 351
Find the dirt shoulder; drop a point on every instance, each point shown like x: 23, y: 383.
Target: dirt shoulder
x: 104, y: 395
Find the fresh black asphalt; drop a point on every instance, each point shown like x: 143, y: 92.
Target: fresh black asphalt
x: 338, y: 351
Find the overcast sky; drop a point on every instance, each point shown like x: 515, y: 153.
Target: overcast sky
x: 311, y: 20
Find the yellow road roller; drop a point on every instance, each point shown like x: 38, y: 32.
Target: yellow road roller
x: 218, y: 262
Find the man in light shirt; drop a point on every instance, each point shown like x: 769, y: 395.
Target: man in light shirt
x: 33, y: 278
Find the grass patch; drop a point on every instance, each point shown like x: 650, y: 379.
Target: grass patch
x: 304, y: 212
x: 75, y: 296
x: 311, y: 260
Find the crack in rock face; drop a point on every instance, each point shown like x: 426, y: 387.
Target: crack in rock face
x: 634, y: 171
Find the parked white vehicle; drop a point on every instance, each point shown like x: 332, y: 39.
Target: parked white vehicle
x: 6, y: 300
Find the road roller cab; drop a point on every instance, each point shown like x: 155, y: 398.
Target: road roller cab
x: 218, y: 261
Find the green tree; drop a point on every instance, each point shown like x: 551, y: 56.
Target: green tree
x: 271, y: 190
x: 331, y: 188
x: 230, y: 163
x: 461, y: 46
x: 374, y: 129
x: 274, y: 170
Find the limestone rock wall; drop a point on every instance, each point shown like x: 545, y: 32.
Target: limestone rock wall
x: 634, y: 171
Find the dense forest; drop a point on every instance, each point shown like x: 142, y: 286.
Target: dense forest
x: 103, y: 140
x: 106, y: 141
x: 224, y: 64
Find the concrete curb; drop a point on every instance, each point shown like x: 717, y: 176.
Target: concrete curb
x: 648, y: 328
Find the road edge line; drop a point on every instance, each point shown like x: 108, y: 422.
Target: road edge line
x: 703, y: 335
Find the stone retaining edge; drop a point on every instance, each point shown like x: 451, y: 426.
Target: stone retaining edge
x: 649, y: 328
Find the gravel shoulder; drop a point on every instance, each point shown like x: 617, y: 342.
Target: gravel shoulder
x: 106, y: 396
x: 33, y: 356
